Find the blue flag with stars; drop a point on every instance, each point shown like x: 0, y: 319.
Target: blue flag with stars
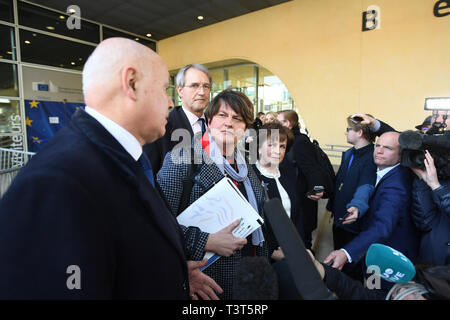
x: 44, y: 118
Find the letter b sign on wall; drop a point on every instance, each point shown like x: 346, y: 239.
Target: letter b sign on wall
x: 371, y: 18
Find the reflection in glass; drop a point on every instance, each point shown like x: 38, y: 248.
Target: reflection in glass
x: 171, y: 91
x: 6, y: 10
x: 242, y: 79
x: 218, y: 78
x: 42, y: 49
x: 9, y: 85
x: 55, y: 22
x: 10, y: 121
x: 7, y: 43
x: 273, y: 95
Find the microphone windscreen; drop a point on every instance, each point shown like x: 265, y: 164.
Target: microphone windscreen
x: 393, y: 265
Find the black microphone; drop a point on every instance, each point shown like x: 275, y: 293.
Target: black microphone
x: 307, y: 280
x: 255, y: 279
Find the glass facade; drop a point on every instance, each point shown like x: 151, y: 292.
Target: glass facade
x: 269, y: 95
x: 9, y: 109
x: 7, y: 43
x: 9, y: 83
x: 56, y: 22
x: 6, y: 10
x: 272, y: 93
x: 52, y: 51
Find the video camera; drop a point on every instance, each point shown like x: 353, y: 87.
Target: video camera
x: 436, y: 140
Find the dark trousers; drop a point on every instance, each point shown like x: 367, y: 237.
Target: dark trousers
x: 309, y: 220
x: 340, y: 238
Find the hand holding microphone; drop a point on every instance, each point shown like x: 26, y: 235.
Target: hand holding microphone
x: 390, y: 264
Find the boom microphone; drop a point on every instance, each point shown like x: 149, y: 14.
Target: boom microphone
x: 393, y: 266
x: 305, y: 276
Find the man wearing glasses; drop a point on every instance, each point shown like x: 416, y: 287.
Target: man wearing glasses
x: 193, y: 87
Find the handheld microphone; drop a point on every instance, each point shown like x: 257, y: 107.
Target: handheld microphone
x: 255, y: 279
x: 390, y: 264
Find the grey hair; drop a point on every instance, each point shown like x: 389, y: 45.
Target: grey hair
x: 182, y: 72
x: 409, y: 288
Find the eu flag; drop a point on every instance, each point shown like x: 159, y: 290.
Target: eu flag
x: 45, y: 118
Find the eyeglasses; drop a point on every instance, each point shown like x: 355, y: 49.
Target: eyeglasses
x: 196, y: 86
x: 348, y: 129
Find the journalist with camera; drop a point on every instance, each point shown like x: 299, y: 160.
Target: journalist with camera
x: 428, y: 156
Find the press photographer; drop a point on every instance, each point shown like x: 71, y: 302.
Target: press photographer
x: 428, y: 157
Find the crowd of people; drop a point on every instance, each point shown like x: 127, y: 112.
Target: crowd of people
x: 104, y: 193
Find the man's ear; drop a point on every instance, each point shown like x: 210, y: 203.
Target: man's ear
x: 180, y: 94
x: 128, y: 82
x: 360, y: 133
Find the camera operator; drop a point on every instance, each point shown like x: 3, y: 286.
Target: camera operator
x: 431, y: 213
x: 431, y: 204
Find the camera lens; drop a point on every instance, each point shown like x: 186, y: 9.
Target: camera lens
x: 416, y: 158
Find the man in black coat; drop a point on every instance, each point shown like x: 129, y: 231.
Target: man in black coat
x: 309, y: 172
x: 193, y: 87
x: 83, y: 220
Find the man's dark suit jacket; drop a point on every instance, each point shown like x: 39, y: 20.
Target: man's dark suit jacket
x: 157, y: 150
x: 389, y: 219
x: 84, y: 201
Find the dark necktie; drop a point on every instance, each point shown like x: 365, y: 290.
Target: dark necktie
x: 146, y: 165
x: 203, y: 125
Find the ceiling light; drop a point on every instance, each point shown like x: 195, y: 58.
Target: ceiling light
x: 72, y: 63
x: 200, y: 17
x: 34, y: 34
x: 149, y: 35
x: 62, y: 17
x: 72, y: 10
x: 80, y: 59
x: 27, y: 41
x: 137, y: 39
x: 50, y: 27
x: 8, y: 52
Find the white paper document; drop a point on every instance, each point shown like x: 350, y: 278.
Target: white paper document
x: 218, y: 208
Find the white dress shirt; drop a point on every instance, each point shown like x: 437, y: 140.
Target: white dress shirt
x: 382, y: 173
x: 125, y: 138
x: 196, y: 124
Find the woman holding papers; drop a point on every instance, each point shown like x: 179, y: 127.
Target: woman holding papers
x: 216, y: 156
x: 274, y: 141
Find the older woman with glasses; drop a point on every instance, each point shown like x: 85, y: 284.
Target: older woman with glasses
x: 229, y: 115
